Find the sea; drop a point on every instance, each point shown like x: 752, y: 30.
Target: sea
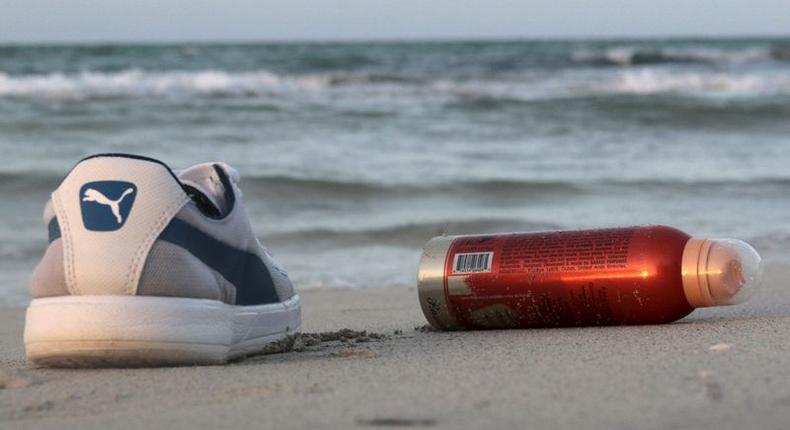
x: 353, y: 155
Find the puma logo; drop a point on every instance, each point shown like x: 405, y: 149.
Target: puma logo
x: 95, y: 197
x: 92, y: 195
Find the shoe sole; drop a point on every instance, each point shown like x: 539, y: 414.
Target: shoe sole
x: 134, y: 331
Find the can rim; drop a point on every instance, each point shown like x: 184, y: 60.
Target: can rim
x: 431, y: 283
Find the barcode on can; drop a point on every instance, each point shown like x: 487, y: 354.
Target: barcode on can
x: 473, y: 262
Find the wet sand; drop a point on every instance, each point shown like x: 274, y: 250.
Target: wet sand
x: 718, y: 368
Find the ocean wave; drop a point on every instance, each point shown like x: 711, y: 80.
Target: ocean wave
x: 635, y: 56
x: 476, y: 102
x: 408, y: 235
x: 282, y: 185
x: 781, y: 53
x: 139, y: 83
x: 23, y: 251
x: 696, y: 185
x: 503, y: 191
x: 286, y: 184
x: 652, y: 81
x: 479, y: 93
x: 28, y: 182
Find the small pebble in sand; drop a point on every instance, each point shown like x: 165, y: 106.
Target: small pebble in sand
x: 720, y: 347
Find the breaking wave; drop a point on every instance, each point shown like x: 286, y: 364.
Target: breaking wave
x: 281, y: 185
x: 633, y: 56
x: 140, y: 83
x: 481, y: 92
x: 652, y: 81
x: 408, y: 235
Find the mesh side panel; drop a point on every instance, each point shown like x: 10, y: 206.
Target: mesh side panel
x: 171, y: 271
x: 48, y: 278
x: 237, y: 232
x: 282, y: 284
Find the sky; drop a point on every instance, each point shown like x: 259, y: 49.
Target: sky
x: 218, y: 20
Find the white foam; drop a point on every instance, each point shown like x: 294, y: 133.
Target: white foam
x: 628, y: 55
x: 650, y: 81
x: 717, y: 55
x: 142, y: 83
x: 262, y: 83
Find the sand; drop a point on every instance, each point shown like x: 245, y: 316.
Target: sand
x: 725, y: 368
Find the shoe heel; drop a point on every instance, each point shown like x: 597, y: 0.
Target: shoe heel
x: 127, y: 331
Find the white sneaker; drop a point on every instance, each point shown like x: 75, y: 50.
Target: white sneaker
x: 149, y: 267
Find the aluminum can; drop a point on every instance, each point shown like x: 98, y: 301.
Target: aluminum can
x: 630, y: 275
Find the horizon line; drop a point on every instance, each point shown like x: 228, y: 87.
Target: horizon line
x: 395, y: 40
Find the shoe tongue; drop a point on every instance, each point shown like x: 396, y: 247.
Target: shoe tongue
x: 205, y: 179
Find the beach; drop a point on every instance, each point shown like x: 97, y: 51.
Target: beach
x: 353, y: 155
x: 723, y: 368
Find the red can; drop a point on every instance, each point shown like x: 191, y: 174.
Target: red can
x: 632, y: 275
